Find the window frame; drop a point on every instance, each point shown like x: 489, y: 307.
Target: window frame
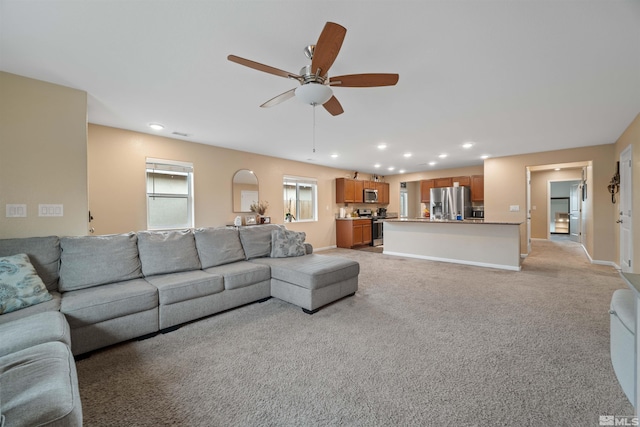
x: 289, y: 180
x: 171, y: 167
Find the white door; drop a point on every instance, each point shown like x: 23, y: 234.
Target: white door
x: 626, y: 242
x: 575, y: 200
x: 247, y: 198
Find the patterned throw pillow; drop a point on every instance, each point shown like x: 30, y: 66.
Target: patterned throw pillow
x: 20, y: 285
x: 287, y: 243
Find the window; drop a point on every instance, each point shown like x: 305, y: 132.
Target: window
x: 300, y: 199
x: 169, y: 194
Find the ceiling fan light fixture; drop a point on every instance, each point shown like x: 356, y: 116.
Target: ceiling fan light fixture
x: 314, y: 93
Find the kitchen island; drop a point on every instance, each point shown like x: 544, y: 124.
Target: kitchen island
x: 472, y: 242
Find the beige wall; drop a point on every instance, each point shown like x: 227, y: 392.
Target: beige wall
x: 117, y: 182
x: 630, y: 137
x: 540, y: 197
x: 505, y: 185
x: 43, y: 137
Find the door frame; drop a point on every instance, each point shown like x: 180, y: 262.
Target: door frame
x: 625, y: 210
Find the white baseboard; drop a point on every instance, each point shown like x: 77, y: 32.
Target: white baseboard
x: 455, y: 261
x: 600, y: 262
x: 326, y: 248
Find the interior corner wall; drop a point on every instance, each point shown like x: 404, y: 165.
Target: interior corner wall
x: 43, y: 134
x: 505, y: 186
x: 630, y: 137
x: 117, y: 193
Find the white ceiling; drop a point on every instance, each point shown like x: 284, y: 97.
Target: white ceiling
x: 512, y: 76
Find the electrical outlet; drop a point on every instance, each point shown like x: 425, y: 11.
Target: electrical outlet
x: 514, y: 208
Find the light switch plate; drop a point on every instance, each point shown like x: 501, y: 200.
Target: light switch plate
x: 50, y: 210
x: 514, y: 208
x: 16, y: 211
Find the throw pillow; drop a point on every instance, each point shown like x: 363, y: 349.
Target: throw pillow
x: 287, y: 243
x: 20, y: 285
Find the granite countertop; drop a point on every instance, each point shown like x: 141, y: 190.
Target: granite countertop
x: 466, y: 221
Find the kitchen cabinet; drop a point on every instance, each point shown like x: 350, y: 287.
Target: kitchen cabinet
x: 425, y: 190
x: 383, y: 192
x: 353, y: 232
x: 442, y: 182
x: 464, y: 181
x: 349, y: 190
x: 477, y: 188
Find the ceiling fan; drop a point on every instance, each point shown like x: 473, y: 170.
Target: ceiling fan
x: 314, y: 80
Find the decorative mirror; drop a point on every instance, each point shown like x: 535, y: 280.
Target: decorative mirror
x: 244, y: 190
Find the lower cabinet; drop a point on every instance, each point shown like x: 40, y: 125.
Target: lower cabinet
x: 353, y: 232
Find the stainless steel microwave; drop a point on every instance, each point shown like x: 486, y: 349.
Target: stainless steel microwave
x: 370, y: 195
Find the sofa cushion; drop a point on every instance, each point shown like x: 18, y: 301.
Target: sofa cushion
x: 40, y: 387
x: 186, y: 285
x: 311, y: 271
x: 20, y: 285
x: 164, y: 252
x: 287, y: 243
x: 256, y: 240
x: 241, y: 274
x: 43, y: 252
x: 218, y: 246
x: 88, y: 306
x: 88, y: 261
x: 33, y: 330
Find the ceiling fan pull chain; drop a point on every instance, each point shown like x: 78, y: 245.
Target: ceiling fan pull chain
x: 314, y: 128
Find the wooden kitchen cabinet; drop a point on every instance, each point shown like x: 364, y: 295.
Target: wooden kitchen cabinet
x: 383, y: 192
x: 465, y: 181
x: 349, y: 190
x: 425, y: 190
x: 442, y: 182
x: 351, y: 233
x: 477, y: 188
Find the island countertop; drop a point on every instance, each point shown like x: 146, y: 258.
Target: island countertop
x: 448, y: 221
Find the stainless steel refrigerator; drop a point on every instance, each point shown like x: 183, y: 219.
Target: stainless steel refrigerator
x: 447, y: 202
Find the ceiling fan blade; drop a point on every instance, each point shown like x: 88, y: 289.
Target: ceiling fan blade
x: 261, y: 67
x: 280, y: 98
x: 364, y: 80
x: 333, y: 106
x: 327, y: 48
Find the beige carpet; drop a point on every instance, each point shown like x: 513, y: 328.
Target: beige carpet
x: 421, y: 344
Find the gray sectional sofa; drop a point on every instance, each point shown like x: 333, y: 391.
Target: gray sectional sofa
x: 109, y: 289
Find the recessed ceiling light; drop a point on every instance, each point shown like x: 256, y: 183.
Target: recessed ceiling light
x: 557, y: 169
x: 407, y: 155
x: 377, y: 165
x: 382, y: 146
x: 334, y: 155
x: 390, y: 168
x: 484, y: 156
x: 467, y: 145
x: 432, y: 163
x: 156, y: 126
x: 401, y: 171
x: 442, y: 156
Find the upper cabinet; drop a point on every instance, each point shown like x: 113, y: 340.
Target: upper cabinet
x: 351, y: 190
x: 442, y: 182
x: 477, y: 188
x: 475, y: 182
x: 425, y: 190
